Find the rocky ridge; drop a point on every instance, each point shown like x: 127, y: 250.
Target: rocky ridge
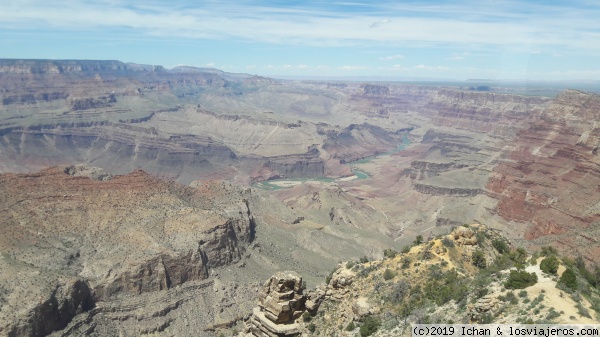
x: 440, y: 281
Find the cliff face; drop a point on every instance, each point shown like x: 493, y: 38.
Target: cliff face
x: 16, y: 66
x: 548, y: 179
x: 91, y: 240
x: 125, y: 116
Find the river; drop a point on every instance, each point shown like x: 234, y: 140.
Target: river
x: 277, y: 184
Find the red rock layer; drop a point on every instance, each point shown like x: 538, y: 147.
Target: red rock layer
x: 549, y: 178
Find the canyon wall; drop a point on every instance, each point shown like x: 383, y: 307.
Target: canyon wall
x: 91, y: 240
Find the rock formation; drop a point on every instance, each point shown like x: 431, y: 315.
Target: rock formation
x: 280, y: 303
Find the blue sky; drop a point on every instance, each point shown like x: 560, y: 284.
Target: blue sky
x: 495, y: 39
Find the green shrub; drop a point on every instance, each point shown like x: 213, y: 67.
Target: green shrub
x: 350, y: 264
x: 500, y: 246
x: 510, y: 297
x: 328, y: 277
x: 389, y: 253
x: 307, y: 317
x: 350, y: 326
x: 486, y: 318
x: 405, y: 249
x: 547, y: 251
x: 388, y: 274
x: 478, y: 259
x: 519, y: 256
x: 405, y: 263
x: 549, y: 265
x: 582, y: 310
x: 398, y: 291
x: 447, y: 242
x: 519, y: 279
x: 312, y: 327
x: 552, y: 314
x: 418, y: 240
x: 369, y: 326
x: 363, y: 259
x: 450, y: 286
x: 568, y: 262
x: 568, y: 279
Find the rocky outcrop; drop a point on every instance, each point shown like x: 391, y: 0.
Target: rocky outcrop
x: 280, y: 302
x: 83, y: 170
x: 485, y: 305
x: 68, y: 298
x: 448, y: 191
x: 464, y: 236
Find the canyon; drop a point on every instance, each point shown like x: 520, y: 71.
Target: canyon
x: 132, y: 195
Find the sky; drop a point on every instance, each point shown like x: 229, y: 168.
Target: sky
x: 438, y: 39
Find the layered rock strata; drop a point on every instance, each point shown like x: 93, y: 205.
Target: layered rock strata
x: 77, y: 241
x: 280, y: 302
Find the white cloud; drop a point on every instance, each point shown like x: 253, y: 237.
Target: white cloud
x: 458, y: 56
x: 498, y: 23
x: 393, y: 57
x: 377, y: 24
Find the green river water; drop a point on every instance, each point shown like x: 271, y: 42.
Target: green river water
x: 272, y: 185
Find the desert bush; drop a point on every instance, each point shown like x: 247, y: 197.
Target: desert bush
x: 363, y: 259
x: 478, y: 259
x: 405, y: 249
x: 450, y: 286
x: 547, y: 251
x: 447, y: 242
x: 583, y: 311
x: 388, y: 274
x: 549, y: 265
x: 328, y: 277
x: 552, y: 314
x: 398, y: 291
x: 500, y: 246
x: 312, y: 327
x: 568, y: 280
x: 389, y: 253
x: 519, y: 256
x: 427, y: 254
x: 307, y: 317
x: 486, y: 318
x: 369, y: 326
x: 519, y: 279
x: 405, y: 263
x: 508, y: 297
x: 350, y: 326
x: 350, y: 264
x: 418, y: 240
